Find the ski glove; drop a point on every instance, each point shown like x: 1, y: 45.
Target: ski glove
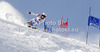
x: 39, y: 19
x: 29, y: 12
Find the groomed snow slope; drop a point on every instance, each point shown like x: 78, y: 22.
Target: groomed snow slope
x: 15, y: 38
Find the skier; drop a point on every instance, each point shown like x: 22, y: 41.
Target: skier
x: 35, y: 21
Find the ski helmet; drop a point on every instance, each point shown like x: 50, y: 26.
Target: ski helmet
x: 44, y: 14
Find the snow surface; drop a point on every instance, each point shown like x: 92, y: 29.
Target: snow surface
x: 9, y: 13
x: 16, y: 38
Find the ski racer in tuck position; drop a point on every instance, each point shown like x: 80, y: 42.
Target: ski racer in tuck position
x: 35, y: 21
